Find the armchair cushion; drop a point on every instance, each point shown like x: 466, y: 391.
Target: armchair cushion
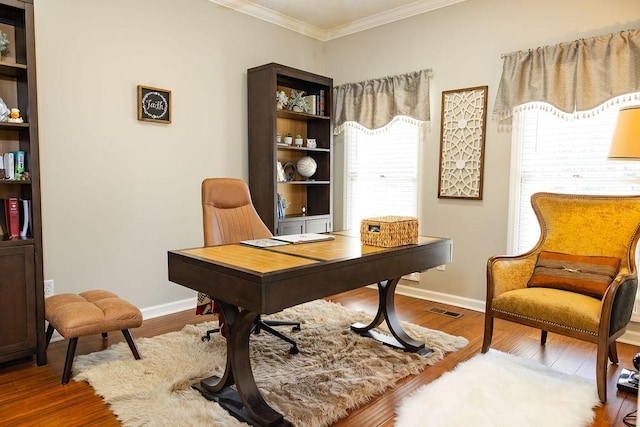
x: 569, y: 309
x: 590, y: 275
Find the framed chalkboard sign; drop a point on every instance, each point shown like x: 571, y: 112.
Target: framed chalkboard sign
x: 154, y: 105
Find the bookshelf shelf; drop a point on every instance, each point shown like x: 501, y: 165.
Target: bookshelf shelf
x: 14, y: 126
x: 266, y: 120
x: 290, y: 114
x: 15, y: 182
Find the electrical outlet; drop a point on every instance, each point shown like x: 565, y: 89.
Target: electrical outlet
x: 48, y: 288
x: 440, y: 268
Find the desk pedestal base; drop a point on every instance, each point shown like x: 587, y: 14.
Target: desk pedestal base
x: 390, y: 341
x: 387, y: 313
x: 230, y: 400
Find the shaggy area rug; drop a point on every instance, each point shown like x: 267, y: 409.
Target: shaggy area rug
x: 501, y: 390
x: 336, y: 370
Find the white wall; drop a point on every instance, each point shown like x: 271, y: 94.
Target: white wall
x: 463, y: 44
x: 117, y: 192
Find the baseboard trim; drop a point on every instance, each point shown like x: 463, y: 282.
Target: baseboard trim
x: 169, y: 308
x: 455, y: 300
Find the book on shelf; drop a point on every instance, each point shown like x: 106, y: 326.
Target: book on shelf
x: 312, y: 104
x: 280, y: 172
x: 280, y: 207
x: 12, y: 216
x: 8, y: 160
x: 25, y: 217
x: 321, y: 110
x: 18, y: 164
x: 316, y: 102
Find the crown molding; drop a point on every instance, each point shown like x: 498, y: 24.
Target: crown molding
x: 387, y: 17
x: 293, y: 24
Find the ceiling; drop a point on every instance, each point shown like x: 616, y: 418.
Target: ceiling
x: 329, y: 19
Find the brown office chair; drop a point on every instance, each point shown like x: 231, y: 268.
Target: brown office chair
x: 228, y: 216
x: 579, y: 280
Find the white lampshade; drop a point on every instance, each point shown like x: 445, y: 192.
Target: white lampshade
x: 625, y: 144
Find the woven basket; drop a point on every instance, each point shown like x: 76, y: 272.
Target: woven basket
x: 389, y: 231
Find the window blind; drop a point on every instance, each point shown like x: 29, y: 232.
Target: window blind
x: 565, y: 156
x: 381, y: 172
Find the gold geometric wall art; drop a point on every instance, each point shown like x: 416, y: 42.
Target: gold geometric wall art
x: 462, y: 138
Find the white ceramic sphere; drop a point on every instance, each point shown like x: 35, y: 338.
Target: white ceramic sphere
x: 307, y: 166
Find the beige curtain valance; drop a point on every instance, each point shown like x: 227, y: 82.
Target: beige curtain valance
x: 375, y: 103
x: 573, y: 76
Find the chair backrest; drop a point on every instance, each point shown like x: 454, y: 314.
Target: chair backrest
x: 589, y: 225
x: 228, y: 215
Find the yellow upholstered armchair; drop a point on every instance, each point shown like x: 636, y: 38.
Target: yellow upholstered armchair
x: 579, y: 280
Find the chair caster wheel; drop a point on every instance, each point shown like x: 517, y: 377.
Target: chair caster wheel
x: 296, y: 329
x: 205, y: 339
x: 294, y: 350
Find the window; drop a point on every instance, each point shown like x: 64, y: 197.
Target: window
x: 556, y: 154
x: 381, y: 172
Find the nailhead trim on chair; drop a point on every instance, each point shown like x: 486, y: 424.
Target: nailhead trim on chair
x: 547, y: 322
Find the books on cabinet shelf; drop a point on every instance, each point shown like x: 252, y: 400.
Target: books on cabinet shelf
x: 13, y: 166
x: 315, y: 103
x: 16, y: 218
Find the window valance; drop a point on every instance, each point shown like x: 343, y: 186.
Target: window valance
x: 375, y: 103
x: 574, y: 76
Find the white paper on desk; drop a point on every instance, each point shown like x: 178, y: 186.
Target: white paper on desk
x: 304, y: 238
x: 263, y: 243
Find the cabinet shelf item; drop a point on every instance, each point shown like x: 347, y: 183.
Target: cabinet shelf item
x: 22, y: 332
x: 265, y: 120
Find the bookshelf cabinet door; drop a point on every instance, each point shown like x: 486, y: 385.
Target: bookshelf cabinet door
x: 17, y: 302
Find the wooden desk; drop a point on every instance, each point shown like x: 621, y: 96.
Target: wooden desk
x: 268, y: 280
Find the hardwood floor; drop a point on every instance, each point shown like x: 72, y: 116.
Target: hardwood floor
x: 31, y: 395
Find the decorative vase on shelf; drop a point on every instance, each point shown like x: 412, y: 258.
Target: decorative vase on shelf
x: 299, y: 140
x: 288, y: 139
x: 307, y: 166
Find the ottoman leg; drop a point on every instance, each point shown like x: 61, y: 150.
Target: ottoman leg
x: 132, y: 344
x: 71, y: 351
x: 49, y: 334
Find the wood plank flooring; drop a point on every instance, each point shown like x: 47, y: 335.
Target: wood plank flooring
x: 32, y: 395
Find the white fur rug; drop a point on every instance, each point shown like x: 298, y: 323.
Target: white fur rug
x: 336, y: 370
x: 501, y: 390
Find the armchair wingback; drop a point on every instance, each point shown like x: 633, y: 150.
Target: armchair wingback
x: 584, y: 228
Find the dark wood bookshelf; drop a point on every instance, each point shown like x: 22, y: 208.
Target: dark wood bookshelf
x: 265, y: 121
x: 21, y: 270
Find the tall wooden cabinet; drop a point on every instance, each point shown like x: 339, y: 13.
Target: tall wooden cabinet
x: 309, y: 200
x: 21, y: 272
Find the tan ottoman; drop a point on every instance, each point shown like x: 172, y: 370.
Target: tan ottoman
x: 89, y: 313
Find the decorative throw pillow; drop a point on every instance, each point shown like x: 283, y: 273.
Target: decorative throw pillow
x: 589, y: 275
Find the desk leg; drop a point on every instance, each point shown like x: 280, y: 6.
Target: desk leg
x: 387, y: 312
x: 246, y: 404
